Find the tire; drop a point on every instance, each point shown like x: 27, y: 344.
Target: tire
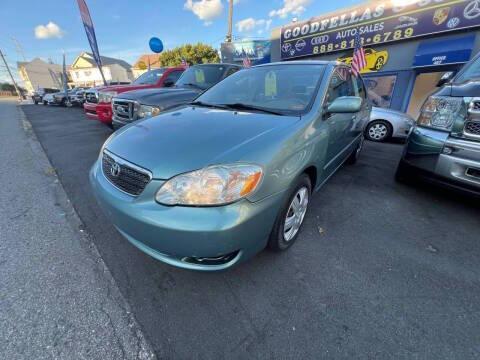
x: 379, y: 63
x: 404, y: 173
x: 282, y: 237
x: 352, y: 159
x: 378, y: 131
x: 45, y: 103
x: 35, y: 102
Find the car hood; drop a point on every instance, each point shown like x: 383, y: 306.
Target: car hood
x: 123, y: 88
x: 156, y: 96
x: 467, y: 89
x: 193, y: 137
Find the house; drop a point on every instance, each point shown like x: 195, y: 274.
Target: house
x: 40, y: 74
x: 145, y: 62
x: 84, y: 71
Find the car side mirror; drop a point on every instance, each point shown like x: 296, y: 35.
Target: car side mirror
x: 168, y: 83
x: 345, y: 104
x: 445, y: 78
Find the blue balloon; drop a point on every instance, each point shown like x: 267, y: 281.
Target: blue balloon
x: 156, y: 45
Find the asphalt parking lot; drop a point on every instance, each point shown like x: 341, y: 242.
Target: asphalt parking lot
x: 381, y: 270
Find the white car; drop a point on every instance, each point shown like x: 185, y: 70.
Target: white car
x: 48, y: 99
x: 387, y: 123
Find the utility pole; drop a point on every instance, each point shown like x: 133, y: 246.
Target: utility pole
x: 228, y: 39
x: 11, y: 76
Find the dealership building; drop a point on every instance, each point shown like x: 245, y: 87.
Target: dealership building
x: 409, y: 45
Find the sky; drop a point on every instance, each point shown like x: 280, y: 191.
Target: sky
x: 46, y: 28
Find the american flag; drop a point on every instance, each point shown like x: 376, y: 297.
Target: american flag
x: 358, y: 61
x: 184, y: 62
x: 246, y: 62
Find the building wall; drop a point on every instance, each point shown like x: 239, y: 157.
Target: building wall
x: 400, y: 64
x: 40, y: 74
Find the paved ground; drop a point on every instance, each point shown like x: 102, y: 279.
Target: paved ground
x: 380, y: 271
x: 57, y: 298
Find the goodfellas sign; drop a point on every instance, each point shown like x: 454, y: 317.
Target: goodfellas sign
x: 377, y: 23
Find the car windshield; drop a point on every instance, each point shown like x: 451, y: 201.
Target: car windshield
x: 284, y: 89
x: 150, y: 77
x: 201, y: 77
x: 471, y: 71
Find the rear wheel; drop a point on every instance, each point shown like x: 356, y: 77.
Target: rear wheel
x: 290, y: 219
x: 352, y: 159
x: 404, y: 173
x: 378, y: 130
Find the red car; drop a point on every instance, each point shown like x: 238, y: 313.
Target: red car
x: 98, y: 101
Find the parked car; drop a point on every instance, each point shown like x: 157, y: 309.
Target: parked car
x: 98, y: 101
x: 208, y: 185
x: 140, y: 104
x: 76, y: 95
x: 48, y: 99
x: 387, y: 123
x: 444, y: 145
x: 38, y: 95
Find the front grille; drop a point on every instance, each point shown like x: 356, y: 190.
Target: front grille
x: 124, y: 110
x: 127, y: 177
x: 91, y: 97
x: 472, y: 128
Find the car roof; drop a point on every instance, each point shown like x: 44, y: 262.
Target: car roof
x: 218, y: 64
x: 304, y: 62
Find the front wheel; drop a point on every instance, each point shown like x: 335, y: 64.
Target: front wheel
x: 290, y: 219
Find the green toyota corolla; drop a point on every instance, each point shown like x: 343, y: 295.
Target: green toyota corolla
x: 210, y: 184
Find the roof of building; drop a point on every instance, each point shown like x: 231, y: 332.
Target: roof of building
x: 105, y: 60
x: 38, y: 62
x: 153, y: 59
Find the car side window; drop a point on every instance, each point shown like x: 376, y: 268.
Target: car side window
x: 174, y: 76
x: 359, y: 87
x: 341, y: 84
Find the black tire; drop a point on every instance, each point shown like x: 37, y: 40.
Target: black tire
x: 379, y: 63
x: 404, y: 174
x: 35, y: 102
x: 277, y: 240
x: 379, y: 124
x: 352, y: 159
x: 45, y: 103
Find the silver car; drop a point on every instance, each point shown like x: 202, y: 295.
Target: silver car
x: 387, y: 123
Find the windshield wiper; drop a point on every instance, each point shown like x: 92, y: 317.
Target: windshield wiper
x: 241, y: 106
x: 201, y: 103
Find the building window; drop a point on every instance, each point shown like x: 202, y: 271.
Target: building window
x: 380, y: 89
x: 87, y: 73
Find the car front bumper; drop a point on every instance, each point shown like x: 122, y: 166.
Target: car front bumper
x: 450, y: 161
x: 185, y: 236
x: 90, y: 110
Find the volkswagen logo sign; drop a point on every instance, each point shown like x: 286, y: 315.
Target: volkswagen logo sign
x: 115, y: 169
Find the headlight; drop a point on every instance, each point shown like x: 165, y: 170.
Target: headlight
x: 213, y: 185
x: 148, y: 111
x: 106, y: 97
x: 441, y: 111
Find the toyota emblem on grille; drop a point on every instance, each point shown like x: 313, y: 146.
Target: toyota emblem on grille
x: 115, y: 169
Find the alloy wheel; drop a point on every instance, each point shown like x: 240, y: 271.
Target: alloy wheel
x: 295, y: 214
x: 378, y: 132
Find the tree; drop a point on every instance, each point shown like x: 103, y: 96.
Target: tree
x: 193, y: 54
x: 142, y: 65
